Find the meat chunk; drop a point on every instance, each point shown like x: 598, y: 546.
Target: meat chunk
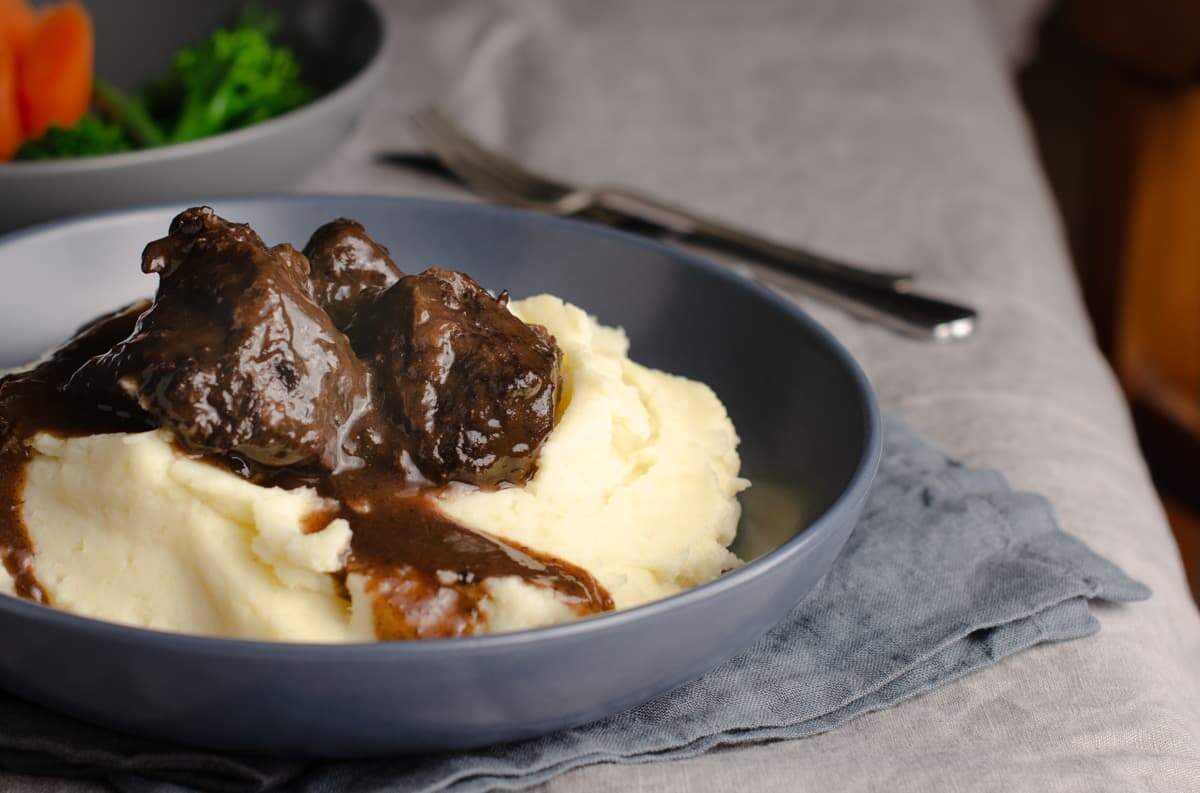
x: 235, y: 355
x: 472, y: 387
x: 239, y: 355
x: 345, y: 263
x: 33, y: 400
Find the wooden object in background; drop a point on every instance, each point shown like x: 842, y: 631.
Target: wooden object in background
x: 1156, y: 349
x: 1157, y: 38
x: 1114, y: 94
x: 1146, y: 270
x: 1186, y: 525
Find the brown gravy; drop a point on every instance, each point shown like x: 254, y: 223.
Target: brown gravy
x: 33, y: 401
x: 406, y: 547
x: 425, y: 572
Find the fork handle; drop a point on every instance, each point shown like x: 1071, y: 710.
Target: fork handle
x: 911, y: 313
x: 875, y: 296
x: 734, y: 239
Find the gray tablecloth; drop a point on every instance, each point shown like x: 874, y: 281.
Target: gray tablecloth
x: 883, y: 132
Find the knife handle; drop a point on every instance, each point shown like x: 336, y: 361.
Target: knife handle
x: 877, y: 296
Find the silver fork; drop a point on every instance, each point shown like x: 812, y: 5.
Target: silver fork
x: 875, y: 295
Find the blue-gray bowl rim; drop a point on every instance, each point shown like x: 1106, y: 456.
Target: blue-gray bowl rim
x: 851, y: 495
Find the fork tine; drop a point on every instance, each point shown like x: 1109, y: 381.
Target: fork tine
x: 445, y: 128
x: 467, y: 150
x: 519, y: 178
x: 479, y: 179
x: 478, y: 171
x: 453, y: 158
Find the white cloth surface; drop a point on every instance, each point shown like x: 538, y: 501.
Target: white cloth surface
x: 886, y: 133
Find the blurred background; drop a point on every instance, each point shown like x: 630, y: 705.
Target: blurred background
x: 1113, y: 91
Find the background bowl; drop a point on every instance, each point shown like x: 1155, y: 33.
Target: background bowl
x: 810, y: 445
x: 339, y: 44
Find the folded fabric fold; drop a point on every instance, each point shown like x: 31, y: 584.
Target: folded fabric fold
x: 948, y: 571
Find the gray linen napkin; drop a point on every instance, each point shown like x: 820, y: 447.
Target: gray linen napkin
x: 948, y: 571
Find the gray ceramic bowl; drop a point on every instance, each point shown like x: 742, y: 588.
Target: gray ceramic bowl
x: 810, y: 444
x: 339, y: 43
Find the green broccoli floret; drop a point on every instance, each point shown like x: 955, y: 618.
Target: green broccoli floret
x: 232, y: 79
x: 127, y: 112
x: 90, y: 136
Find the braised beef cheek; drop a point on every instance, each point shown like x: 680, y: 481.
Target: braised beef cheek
x: 472, y: 387
x: 235, y: 355
x: 345, y: 264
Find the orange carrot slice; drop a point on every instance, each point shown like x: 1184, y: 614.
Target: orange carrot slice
x: 17, y: 22
x: 55, y: 75
x: 10, y: 115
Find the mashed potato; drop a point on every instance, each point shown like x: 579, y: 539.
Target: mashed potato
x: 127, y: 529
x: 637, y: 484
